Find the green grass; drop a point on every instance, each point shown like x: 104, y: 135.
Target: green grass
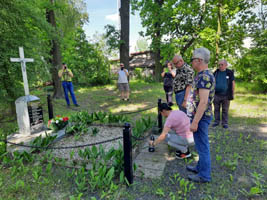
x: 246, y: 108
x: 235, y: 155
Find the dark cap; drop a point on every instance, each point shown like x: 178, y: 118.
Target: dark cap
x: 164, y: 106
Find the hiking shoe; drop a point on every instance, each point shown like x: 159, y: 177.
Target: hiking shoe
x: 77, y: 105
x: 191, y: 168
x: 215, y: 124
x: 225, y: 126
x: 68, y: 106
x: 181, y: 155
x: 196, y: 178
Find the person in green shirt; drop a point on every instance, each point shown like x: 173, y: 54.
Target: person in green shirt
x: 66, y: 77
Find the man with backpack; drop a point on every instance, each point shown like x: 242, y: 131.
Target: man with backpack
x: 168, y: 76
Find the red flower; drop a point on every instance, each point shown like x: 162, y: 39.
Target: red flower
x: 65, y: 119
x: 49, y: 122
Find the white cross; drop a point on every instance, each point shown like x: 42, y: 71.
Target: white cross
x: 23, y: 61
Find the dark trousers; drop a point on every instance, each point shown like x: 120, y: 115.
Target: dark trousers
x: 221, y: 101
x: 168, y: 92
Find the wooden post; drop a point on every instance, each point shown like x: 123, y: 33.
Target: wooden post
x: 127, y: 148
x: 50, y: 107
x: 159, y: 117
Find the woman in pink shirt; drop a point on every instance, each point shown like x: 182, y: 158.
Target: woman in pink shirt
x: 176, y: 131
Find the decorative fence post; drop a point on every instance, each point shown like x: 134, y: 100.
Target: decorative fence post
x: 127, y: 148
x: 50, y: 107
x: 159, y: 117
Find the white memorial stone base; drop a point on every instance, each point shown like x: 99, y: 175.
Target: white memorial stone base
x: 23, y: 117
x: 23, y: 139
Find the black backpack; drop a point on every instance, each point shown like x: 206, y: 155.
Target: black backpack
x: 168, y: 79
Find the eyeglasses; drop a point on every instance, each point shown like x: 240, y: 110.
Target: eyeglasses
x: 192, y: 59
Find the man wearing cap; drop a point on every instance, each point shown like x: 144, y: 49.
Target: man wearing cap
x: 176, y: 131
x: 183, y: 80
x: 123, y: 84
x: 66, y: 77
x: 199, y: 109
x: 224, y: 92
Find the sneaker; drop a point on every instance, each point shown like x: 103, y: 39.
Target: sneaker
x: 225, y: 126
x: 215, y: 124
x: 68, y: 106
x: 191, y: 168
x: 127, y: 99
x: 77, y: 105
x: 180, y: 155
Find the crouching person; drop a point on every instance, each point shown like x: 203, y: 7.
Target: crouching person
x: 176, y: 131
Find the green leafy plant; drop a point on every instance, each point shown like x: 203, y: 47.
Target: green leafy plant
x: 42, y: 142
x: 160, y: 192
x: 95, y: 131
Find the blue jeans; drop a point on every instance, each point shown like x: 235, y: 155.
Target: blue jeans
x: 67, y: 86
x: 202, y: 145
x: 179, y: 100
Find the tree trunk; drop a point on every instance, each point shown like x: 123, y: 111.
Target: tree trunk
x: 55, y: 56
x: 125, y: 29
x: 157, y: 43
x: 218, y: 34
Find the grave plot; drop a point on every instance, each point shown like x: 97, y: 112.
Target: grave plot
x: 95, y: 134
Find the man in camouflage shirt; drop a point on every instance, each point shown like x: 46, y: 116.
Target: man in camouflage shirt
x: 183, y: 80
x: 199, y: 110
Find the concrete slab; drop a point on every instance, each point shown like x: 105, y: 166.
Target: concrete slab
x: 151, y: 164
x: 149, y: 173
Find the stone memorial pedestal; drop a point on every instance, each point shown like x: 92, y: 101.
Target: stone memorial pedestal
x: 29, y: 115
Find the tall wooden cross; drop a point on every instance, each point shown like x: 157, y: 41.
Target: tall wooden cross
x: 23, y: 61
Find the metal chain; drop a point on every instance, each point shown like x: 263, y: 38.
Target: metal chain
x: 67, y: 147
x: 109, y: 125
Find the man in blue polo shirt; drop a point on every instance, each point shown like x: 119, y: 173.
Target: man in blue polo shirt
x: 224, y: 92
